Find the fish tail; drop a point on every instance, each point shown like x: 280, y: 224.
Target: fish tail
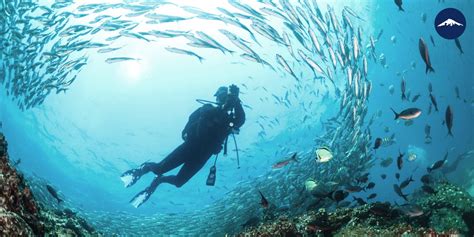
x: 429, y: 68
x: 405, y: 197
x: 59, y: 200
x: 450, y: 133
x: 400, y: 8
x: 396, y: 115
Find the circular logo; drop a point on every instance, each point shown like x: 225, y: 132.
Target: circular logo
x: 450, y: 23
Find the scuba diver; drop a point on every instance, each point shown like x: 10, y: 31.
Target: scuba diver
x: 204, y: 135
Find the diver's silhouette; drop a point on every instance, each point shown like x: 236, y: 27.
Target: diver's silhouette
x: 204, y: 134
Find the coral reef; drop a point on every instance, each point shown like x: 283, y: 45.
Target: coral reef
x: 449, y: 211
x: 21, y: 215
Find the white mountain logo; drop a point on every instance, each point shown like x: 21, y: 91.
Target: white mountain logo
x: 450, y: 22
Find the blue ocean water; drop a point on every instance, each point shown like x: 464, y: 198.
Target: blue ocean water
x: 116, y: 116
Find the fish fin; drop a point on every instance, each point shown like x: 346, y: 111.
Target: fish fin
x: 59, y: 200
x: 450, y: 133
x: 200, y: 59
x: 401, y: 9
x: 396, y: 115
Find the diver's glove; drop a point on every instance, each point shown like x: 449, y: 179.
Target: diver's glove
x: 234, y: 91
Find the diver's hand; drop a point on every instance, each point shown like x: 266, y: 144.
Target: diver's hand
x: 234, y: 90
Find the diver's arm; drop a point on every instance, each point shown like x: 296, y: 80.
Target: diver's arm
x: 192, y: 118
x: 239, y: 118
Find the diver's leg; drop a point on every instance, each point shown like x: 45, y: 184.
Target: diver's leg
x: 187, y: 171
x: 173, y: 160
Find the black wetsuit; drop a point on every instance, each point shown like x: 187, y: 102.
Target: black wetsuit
x: 204, y: 135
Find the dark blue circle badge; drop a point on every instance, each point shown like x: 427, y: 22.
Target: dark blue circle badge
x: 450, y: 23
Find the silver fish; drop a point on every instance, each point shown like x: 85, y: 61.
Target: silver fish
x: 120, y: 59
x: 184, y: 52
x: 285, y: 66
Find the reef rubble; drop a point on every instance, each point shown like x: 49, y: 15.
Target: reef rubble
x: 448, y: 212
x: 22, y: 215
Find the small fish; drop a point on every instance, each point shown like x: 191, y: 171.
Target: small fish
x: 399, y: 4
x: 456, y: 90
x: 393, y: 39
x: 391, y: 89
x: 458, y: 45
x: 425, y: 55
x: 372, y: 196
x: 380, y: 34
x: 359, y: 201
x: 426, y: 179
x: 398, y: 191
x: 377, y: 143
x: 397, y: 175
x: 411, y: 156
x: 120, y: 59
x: 415, y: 98
x: 323, y: 154
x: 383, y: 176
x: 403, y: 87
x: 17, y: 162
x: 433, y: 101
x: 407, y: 114
x: 430, y: 87
x: 400, y: 160
x: 386, y: 162
x: 285, y: 162
x: 408, y: 122
x: 363, y: 178
x: 423, y: 17
x: 338, y: 195
x: 371, y: 185
x: 428, y: 189
x: 428, y: 134
x: 263, y: 200
x: 411, y: 210
x: 432, y: 40
x: 449, y: 120
x: 285, y: 66
x: 438, y: 164
x: 353, y: 188
x: 108, y: 50
x: 53, y: 193
x: 406, y: 182
x: 184, y: 52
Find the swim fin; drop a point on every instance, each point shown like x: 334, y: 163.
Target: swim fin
x: 144, y: 195
x: 130, y: 177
